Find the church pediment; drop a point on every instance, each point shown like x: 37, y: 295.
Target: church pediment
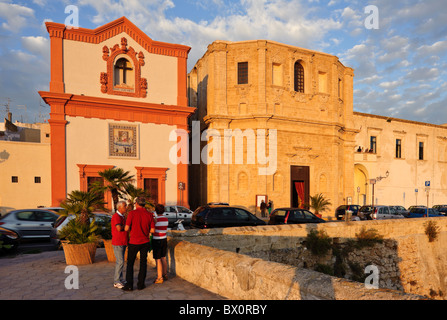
x: 107, y: 31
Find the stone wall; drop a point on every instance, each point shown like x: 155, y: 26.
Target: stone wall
x: 406, y: 260
x: 240, y: 277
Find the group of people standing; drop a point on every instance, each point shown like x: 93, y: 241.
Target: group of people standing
x: 266, y: 207
x: 134, y: 233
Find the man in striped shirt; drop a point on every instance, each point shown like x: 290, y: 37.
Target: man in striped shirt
x: 160, y: 244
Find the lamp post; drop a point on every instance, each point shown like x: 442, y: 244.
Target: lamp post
x: 373, y: 182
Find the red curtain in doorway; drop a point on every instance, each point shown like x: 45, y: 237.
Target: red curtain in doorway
x: 299, y: 187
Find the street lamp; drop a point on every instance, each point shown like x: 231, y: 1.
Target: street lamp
x: 373, y: 182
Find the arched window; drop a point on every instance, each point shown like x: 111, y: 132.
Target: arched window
x: 299, y: 77
x: 123, y: 73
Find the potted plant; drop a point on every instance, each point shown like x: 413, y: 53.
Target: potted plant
x: 81, y: 231
x: 106, y: 235
x: 319, y: 203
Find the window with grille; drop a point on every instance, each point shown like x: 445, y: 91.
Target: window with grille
x: 373, y: 144
x: 398, y: 148
x: 299, y: 77
x: 421, y: 151
x: 242, y: 73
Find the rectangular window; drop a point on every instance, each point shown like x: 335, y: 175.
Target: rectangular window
x: 373, y: 144
x: 242, y: 73
x: 14, y: 179
x: 421, y: 151
x: 37, y: 180
x: 398, y: 148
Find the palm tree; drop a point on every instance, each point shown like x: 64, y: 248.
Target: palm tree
x: 319, y: 203
x: 133, y: 193
x: 82, y: 204
x: 115, y: 180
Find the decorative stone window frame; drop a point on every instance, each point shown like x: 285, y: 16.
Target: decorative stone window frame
x: 153, y: 173
x: 107, y: 78
x: 87, y: 171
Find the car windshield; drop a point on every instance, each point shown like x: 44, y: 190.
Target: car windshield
x: 366, y: 209
x: 280, y: 213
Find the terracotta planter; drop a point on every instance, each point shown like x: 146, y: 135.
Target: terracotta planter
x: 109, y: 251
x: 79, y: 254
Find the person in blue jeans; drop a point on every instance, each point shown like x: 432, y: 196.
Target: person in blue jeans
x: 119, y: 242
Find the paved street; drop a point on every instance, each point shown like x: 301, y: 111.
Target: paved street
x: 42, y: 277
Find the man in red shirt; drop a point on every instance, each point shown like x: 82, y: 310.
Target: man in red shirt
x: 119, y: 242
x: 140, y: 224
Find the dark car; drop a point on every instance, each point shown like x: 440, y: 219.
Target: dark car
x: 422, y: 213
x: 399, y: 210
x: 222, y: 216
x: 9, y: 240
x: 29, y: 223
x: 441, y: 208
x: 293, y: 216
x: 341, y: 210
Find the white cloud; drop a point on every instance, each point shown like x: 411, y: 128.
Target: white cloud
x: 392, y: 84
x: 16, y: 16
x: 37, y: 45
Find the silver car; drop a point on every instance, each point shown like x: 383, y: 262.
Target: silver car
x: 379, y: 213
x: 29, y: 223
x: 174, y: 213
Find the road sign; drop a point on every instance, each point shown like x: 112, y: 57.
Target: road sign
x: 372, y: 181
x: 427, y: 183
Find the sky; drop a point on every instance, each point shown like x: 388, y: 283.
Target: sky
x: 398, y: 49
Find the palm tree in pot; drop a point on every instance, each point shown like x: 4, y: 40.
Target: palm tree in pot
x: 80, y: 234
x: 319, y: 203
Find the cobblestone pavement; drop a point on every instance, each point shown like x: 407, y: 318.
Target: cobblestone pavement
x: 42, y: 277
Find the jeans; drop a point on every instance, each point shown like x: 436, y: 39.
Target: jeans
x: 119, y: 252
x: 131, y: 256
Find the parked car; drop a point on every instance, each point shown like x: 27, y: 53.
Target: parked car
x: 418, y: 212
x: 221, y: 216
x: 293, y: 216
x: 174, y: 213
x: 5, y: 210
x: 341, y: 210
x: 29, y: 223
x: 101, y: 219
x: 378, y: 213
x: 400, y: 210
x: 411, y: 207
x: 55, y: 209
x: 9, y: 240
x: 441, y: 208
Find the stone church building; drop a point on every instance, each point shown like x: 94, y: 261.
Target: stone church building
x: 322, y: 146
x: 306, y: 96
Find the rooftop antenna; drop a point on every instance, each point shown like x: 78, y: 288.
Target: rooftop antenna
x: 7, y: 108
x: 22, y: 106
